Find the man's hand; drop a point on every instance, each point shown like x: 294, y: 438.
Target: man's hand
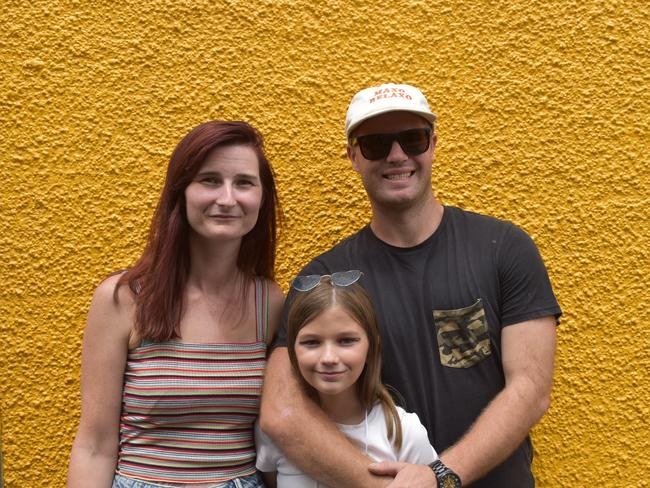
x: 406, y: 475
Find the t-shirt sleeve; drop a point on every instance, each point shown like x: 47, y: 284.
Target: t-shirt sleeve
x: 526, y: 291
x: 314, y: 267
x: 268, y: 454
x: 416, y: 448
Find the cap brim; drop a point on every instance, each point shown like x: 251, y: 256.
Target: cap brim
x: 428, y: 116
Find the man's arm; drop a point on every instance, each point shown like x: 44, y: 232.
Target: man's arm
x: 305, y: 434
x: 528, y: 353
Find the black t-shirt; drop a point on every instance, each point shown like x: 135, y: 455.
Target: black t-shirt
x: 441, y: 306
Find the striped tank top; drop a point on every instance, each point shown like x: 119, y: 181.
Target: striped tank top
x: 188, y: 410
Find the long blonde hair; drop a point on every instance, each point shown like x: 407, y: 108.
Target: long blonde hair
x: 355, y: 301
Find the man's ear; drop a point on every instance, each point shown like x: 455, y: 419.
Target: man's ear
x: 352, y: 156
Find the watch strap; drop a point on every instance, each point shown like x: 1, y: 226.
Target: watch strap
x: 444, y: 475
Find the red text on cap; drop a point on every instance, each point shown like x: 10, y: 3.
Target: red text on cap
x: 390, y: 93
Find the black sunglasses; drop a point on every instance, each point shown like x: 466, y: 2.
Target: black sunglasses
x: 378, y: 146
x: 340, y: 278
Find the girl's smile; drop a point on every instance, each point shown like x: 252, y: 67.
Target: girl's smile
x: 331, y: 352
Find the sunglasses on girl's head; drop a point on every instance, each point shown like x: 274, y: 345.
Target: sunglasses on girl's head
x: 340, y: 278
x: 378, y: 146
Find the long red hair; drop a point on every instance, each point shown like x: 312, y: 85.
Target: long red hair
x: 159, y: 277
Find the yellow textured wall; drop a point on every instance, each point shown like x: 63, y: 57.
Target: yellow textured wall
x: 543, y: 119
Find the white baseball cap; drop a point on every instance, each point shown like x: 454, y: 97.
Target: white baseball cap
x: 390, y: 97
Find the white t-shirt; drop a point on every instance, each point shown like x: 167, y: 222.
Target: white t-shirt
x: 371, y: 437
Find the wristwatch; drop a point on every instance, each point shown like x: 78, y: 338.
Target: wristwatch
x: 445, y: 476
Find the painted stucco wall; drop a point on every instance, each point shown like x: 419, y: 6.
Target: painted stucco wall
x: 543, y: 119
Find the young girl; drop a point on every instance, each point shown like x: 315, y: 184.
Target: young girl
x: 334, y: 344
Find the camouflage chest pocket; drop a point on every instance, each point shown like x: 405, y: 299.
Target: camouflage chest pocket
x: 463, y: 338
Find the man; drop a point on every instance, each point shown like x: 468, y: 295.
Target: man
x: 466, y: 310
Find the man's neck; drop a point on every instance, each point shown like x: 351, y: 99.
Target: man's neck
x: 406, y: 227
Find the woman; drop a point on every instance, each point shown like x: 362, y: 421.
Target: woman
x: 174, y: 348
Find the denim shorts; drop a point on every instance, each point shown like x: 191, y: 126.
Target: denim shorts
x: 251, y: 481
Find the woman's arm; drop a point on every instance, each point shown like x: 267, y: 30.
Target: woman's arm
x: 276, y: 304
x: 103, y: 359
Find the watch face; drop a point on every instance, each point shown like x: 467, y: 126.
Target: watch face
x: 449, y: 481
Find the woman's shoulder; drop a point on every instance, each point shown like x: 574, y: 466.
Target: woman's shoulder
x: 276, y: 295
x: 110, y: 292
x: 112, y: 308
x: 275, y: 304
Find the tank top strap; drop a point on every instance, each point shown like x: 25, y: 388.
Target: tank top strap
x: 261, y: 307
